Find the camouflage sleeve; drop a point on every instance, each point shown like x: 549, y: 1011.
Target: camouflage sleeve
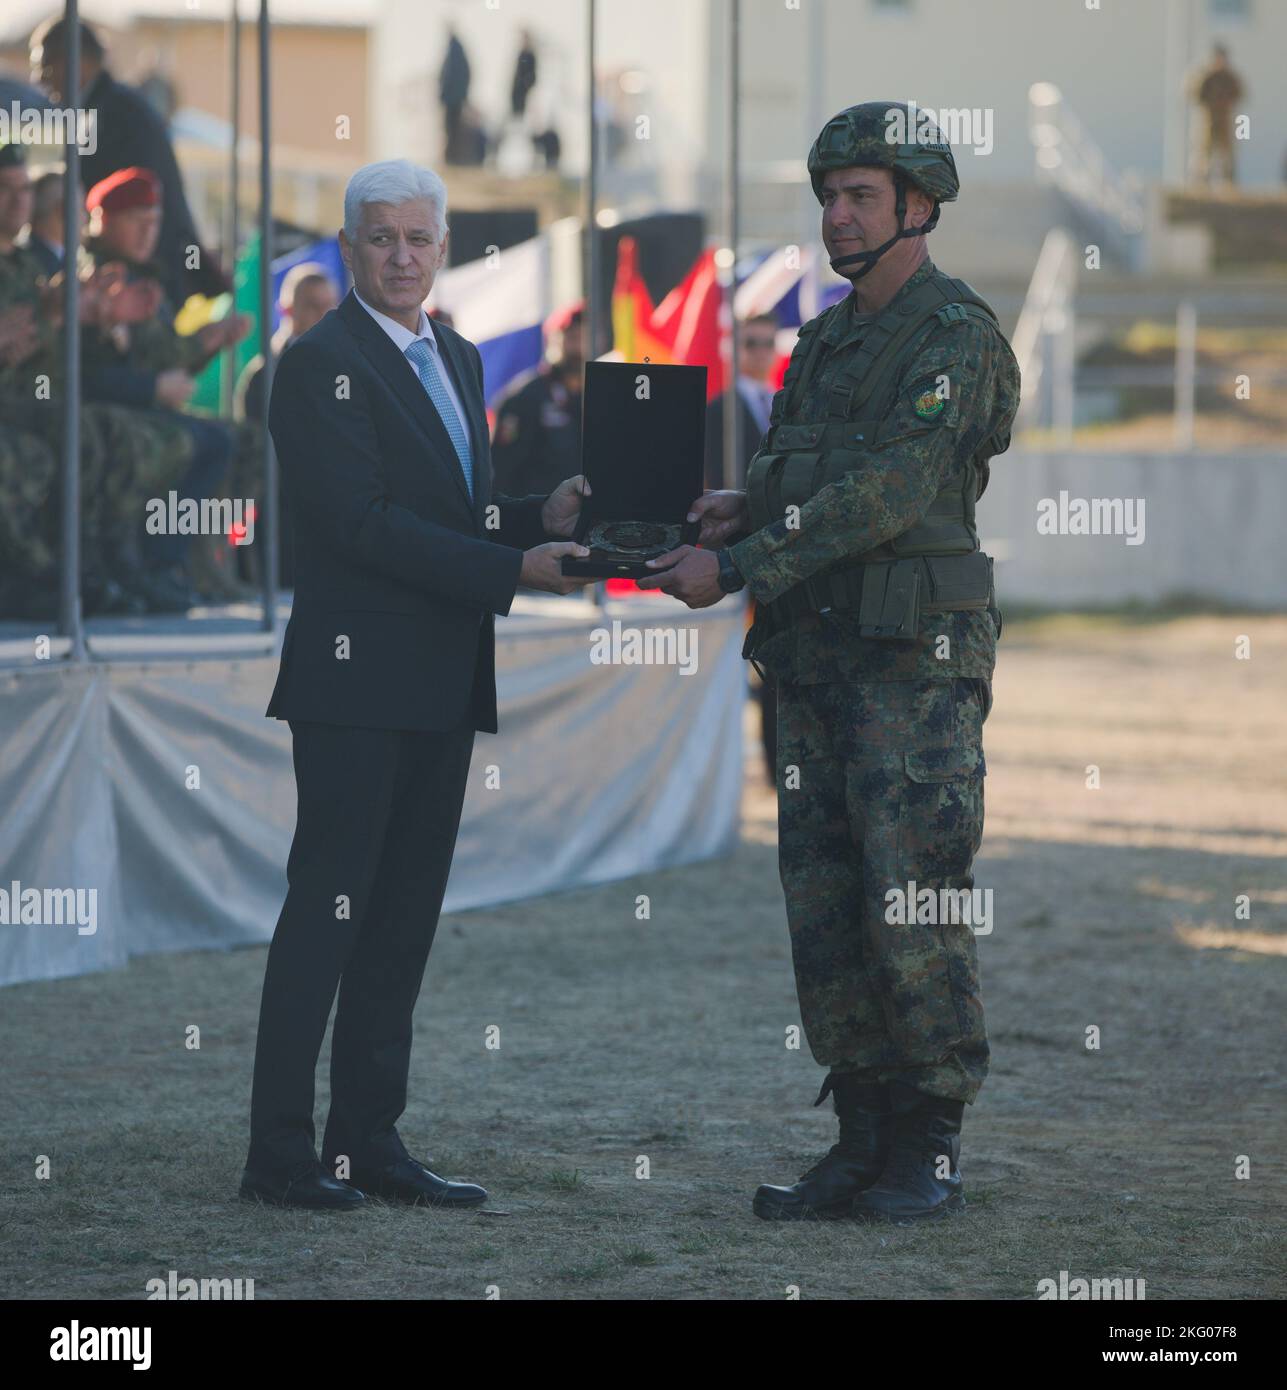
x: 961, y: 386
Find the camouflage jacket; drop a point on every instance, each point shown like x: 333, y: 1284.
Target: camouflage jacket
x: 871, y: 505
x: 30, y: 386
x: 147, y: 348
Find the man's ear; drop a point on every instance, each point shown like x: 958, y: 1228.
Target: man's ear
x: 346, y: 249
x: 919, y: 207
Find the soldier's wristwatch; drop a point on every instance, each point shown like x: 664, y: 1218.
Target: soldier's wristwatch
x: 730, y: 577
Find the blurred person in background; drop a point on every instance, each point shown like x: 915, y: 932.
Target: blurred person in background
x: 308, y: 294
x: 453, y: 92
x: 1217, y: 90
x: 152, y: 367
x: 524, y: 76
x: 44, y: 235
x: 123, y: 453
x: 756, y: 354
x: 130, y: 134
x: 537, y: 439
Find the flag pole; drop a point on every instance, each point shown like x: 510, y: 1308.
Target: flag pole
x: 69, y: 595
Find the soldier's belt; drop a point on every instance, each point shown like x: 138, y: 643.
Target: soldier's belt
x: 888, y: 596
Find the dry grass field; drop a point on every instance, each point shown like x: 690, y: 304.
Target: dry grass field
x: 1115, y: 908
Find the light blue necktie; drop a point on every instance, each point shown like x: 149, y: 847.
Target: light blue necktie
x: 418, y: 352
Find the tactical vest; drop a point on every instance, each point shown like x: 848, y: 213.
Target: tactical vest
x: 934, y: 566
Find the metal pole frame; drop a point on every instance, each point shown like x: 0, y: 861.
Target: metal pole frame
x: 270, y: 567
x: 69, y: 594
x: 232, y: 225
x: 732, y: 153
x: 593, y: 267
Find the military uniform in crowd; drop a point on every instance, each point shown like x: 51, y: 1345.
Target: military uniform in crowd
x: 122, y: 364
x: 877, y: 618
x: 126, y: 456
x: 537, y: 439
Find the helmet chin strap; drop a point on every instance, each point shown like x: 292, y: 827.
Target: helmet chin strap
x: 869, y: 258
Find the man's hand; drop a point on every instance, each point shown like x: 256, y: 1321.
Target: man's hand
x: 174, y: 388
x: 542, y: 570
x: 562, y: 509
x: 722, y: 514
x: 691, y: 575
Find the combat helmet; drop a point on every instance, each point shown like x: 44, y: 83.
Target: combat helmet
x: 893, y: 135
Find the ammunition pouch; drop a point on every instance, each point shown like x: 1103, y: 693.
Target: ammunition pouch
x: 887, y: 596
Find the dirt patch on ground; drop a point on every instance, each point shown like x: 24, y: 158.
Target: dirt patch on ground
x: 662, y: 1040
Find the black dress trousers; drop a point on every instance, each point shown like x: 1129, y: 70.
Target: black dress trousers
x: 378, y: 814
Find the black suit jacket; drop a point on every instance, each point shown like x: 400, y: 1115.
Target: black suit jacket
x: 130, y: 132
x: 749, y: 438
x: 389, y: 551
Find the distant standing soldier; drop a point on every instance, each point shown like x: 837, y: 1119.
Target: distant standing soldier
x: 1217, y: 90
x: 875, y: 610
x: 538, y: 423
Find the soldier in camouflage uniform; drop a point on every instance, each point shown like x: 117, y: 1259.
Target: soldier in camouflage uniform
x: 876, y: 616
x: 149, y: 365
x: 124, y: 454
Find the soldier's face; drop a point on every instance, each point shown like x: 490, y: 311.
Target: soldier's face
x: 394, y: 256
x: 132, y: 234
x: 15, y: 201
x: 857, y: 210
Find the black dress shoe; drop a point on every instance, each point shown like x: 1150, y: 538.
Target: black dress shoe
x: 406, y: 1180
x: 308, y: 1187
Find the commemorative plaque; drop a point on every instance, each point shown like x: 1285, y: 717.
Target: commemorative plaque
x: 642, y: 441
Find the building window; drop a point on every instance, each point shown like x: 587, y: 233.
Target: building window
x: 1229, y: 9
x: 891, y: 4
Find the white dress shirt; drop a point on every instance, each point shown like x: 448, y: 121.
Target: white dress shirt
x: 402, y: 340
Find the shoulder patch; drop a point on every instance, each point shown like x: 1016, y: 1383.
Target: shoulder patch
x: 932, y: 395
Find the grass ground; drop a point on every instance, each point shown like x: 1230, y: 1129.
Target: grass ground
x: 663, y: 1040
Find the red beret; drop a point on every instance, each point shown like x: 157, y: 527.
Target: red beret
x: 125, y: 189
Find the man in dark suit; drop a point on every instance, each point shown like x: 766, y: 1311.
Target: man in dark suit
x: 402, y: 560
x: 44, y: 236
x: 130, y: 133
x: 756, y: 353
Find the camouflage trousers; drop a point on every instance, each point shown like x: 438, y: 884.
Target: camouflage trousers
x: 28, y: 468
x: 881, y: 784
x: 126, y: 457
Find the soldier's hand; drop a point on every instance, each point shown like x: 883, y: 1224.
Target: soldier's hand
x: 542, y: 568
x: 122, y: 300
x: 722, y: 514
x: 174, y: 388
x: 691, y: 575
x: 223, y: 332
x: 562, y: 509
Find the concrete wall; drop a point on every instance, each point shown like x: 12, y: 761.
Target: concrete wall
x: 1212, y: 526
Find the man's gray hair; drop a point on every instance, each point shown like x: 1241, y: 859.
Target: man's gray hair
x: 393, y: 181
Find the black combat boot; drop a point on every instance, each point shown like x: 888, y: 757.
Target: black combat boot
x: 828, y: 1189
x: 927, y: 1131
